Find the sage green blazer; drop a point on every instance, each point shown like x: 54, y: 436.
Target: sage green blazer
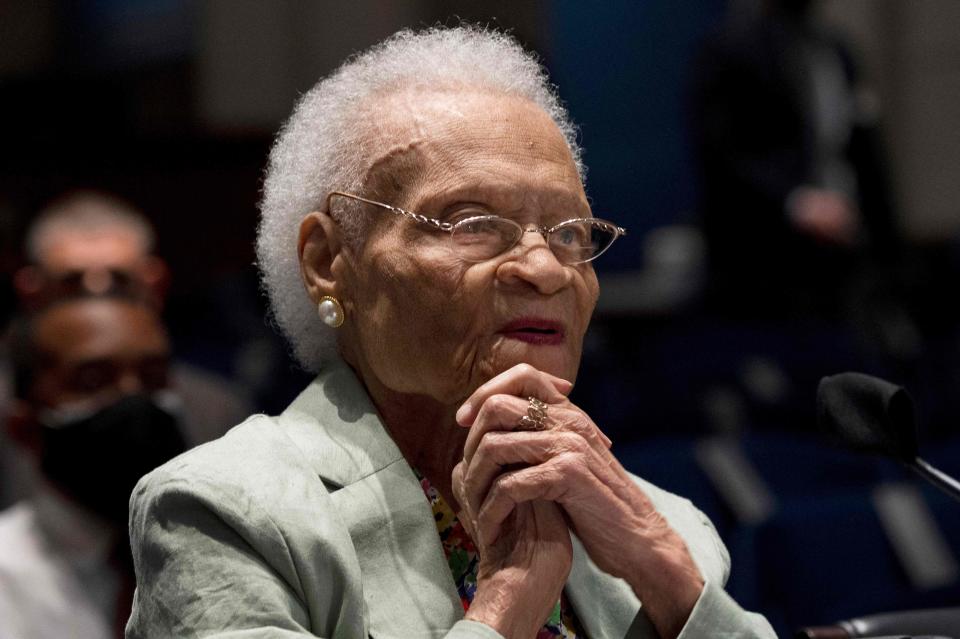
x: 313, y: 524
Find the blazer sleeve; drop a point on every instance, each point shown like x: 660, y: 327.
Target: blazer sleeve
x: 715, y: 615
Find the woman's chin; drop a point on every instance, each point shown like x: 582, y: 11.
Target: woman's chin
x: 556, y: 359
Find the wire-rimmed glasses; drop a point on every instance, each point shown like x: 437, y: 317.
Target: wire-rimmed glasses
x: 483, y: 237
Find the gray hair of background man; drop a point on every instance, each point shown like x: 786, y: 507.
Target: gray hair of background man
x: 320, y: 148
x: 86, y: 212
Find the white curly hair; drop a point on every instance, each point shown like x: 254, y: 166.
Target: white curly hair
x: 319, y: 149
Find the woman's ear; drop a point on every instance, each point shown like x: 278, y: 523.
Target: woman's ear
x: 319, y: 245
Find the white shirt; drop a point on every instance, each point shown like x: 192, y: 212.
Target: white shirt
x: 55, y: 577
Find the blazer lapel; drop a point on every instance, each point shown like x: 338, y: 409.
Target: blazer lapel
x: 408, y: 590
x: 407, y: 585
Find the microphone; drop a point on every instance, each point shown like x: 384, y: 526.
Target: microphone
x: 872, y: 415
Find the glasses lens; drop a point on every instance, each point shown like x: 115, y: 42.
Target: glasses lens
x: 481, y: 238
x: 581, y: 240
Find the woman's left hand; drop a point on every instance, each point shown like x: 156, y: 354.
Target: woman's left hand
x: 569, y: 462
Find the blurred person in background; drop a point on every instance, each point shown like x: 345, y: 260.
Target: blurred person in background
x: 94, y: 243
x: 796, y: 212
x: 93, y: 412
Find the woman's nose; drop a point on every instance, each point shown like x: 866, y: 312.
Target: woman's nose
x: 534, y: 264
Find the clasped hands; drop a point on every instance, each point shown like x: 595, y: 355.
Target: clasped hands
x: 521, y: 492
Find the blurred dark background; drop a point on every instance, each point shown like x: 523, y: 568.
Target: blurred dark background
x: 173, y: 104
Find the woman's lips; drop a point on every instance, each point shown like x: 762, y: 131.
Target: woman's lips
x: 534, y: 330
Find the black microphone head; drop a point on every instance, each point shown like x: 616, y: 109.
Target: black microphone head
x: 869, y: 415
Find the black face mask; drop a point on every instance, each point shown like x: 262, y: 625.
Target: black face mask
x: 98, y: 458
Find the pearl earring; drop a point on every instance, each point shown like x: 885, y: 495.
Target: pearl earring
x: 330, y: 311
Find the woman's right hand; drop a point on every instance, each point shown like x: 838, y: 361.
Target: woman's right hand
x: 521, y: 575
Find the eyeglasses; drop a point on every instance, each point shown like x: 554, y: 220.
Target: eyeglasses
x: 483, y: 237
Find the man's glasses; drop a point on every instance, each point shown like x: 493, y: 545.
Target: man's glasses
x: 483, y: 237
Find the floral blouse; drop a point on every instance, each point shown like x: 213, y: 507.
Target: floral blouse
x: 463, y: 560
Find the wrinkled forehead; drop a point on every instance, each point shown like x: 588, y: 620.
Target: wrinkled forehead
x: 446, y: 139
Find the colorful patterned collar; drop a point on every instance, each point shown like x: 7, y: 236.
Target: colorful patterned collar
x: 463, y: 560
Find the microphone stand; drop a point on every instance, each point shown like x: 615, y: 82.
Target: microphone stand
x: 938, y: 478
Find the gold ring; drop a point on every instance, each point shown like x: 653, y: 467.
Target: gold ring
x: 536, y: 417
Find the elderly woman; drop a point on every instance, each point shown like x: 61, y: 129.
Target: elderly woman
x: 426, y: 243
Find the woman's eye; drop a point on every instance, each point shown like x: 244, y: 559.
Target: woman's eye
x: 569, y: 236
x: 463, y: 214
x: 473, y: 228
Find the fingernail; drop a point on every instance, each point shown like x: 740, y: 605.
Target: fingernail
x: 462, y: 414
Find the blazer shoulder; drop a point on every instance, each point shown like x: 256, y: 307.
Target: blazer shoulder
x: 254, y: 478
x: 248, y: 453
